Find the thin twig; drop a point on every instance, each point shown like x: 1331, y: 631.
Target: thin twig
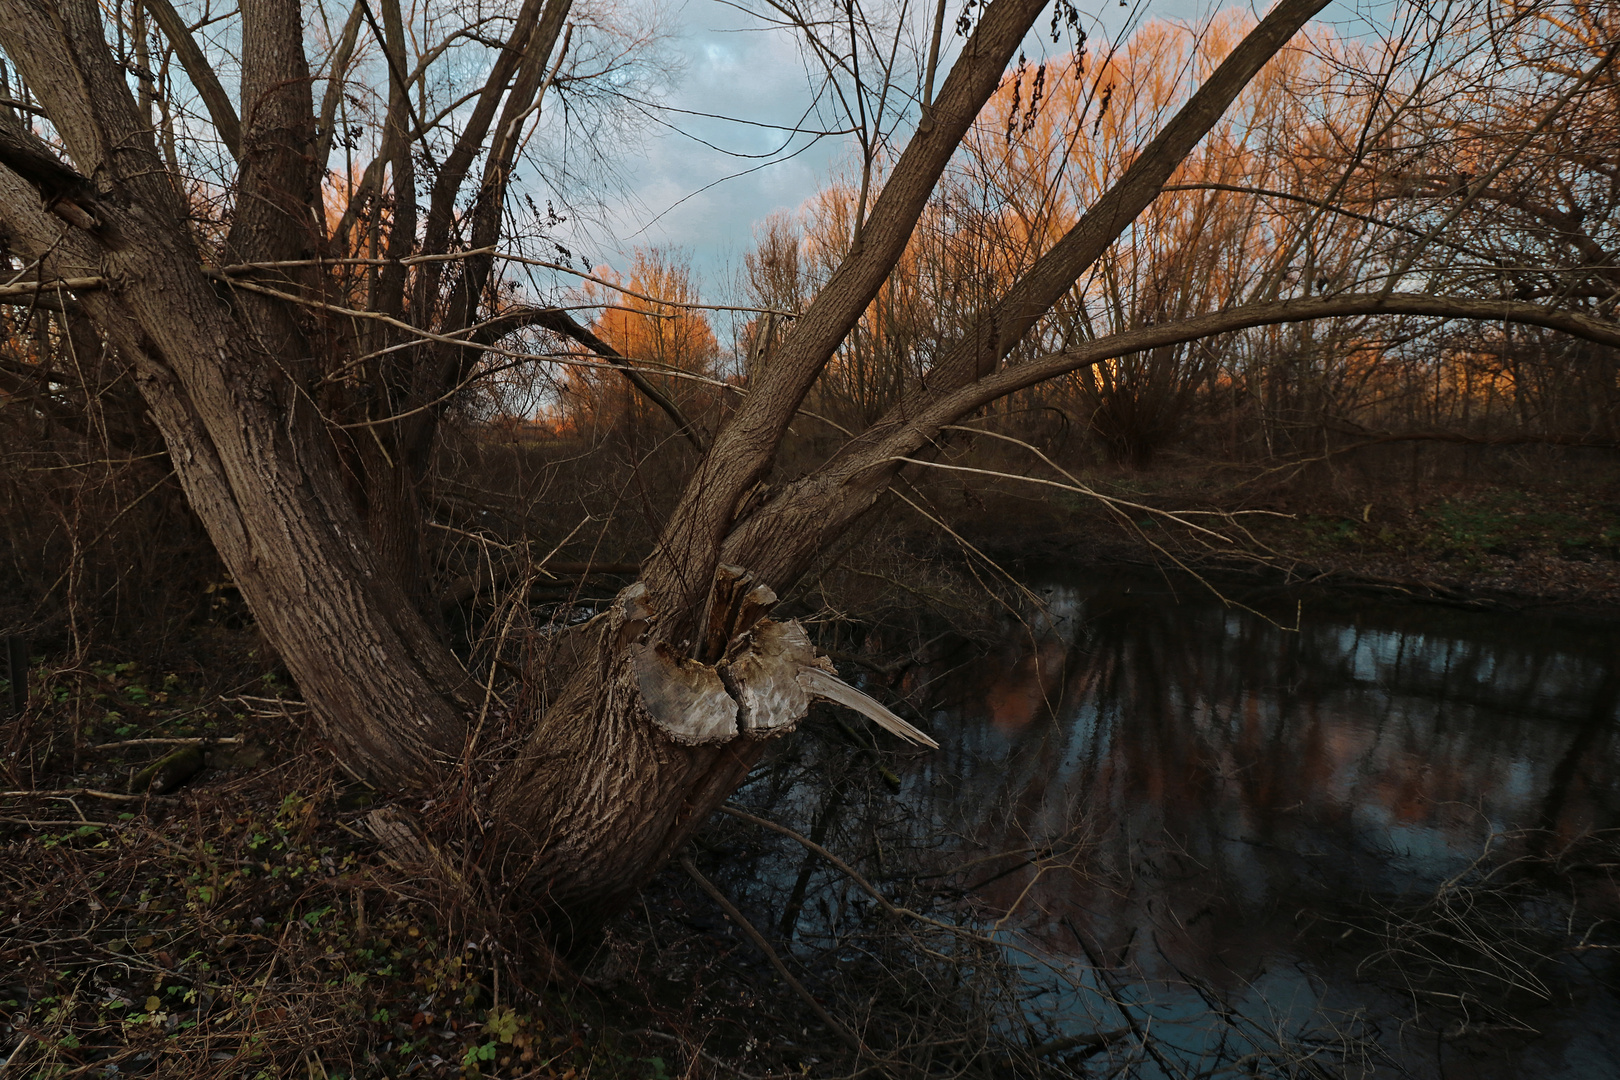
x: 622, y: 366
x: 954, y: 535
x: 61, y: 793
x: 5, y: 1066
x: 860, y: 882
x: 490, y: 252
x: 649, y: 1033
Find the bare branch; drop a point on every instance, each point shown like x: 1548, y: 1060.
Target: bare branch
x: 744, y: 448
x: 335, y: 73
x: 453, y: 172
x: 778, y: 539
x: 218, y: 103
x: 34, y: 288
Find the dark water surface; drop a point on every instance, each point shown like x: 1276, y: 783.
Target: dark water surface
x: 1371, y: 845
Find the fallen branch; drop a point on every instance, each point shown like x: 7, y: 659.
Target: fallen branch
x: 125, y: 744
x: 49, y: 823
x: 62, y: 793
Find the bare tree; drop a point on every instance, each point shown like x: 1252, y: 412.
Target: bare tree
x: 299, y: 361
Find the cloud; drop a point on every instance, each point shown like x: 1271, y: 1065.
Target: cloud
x: 692, y: 184
x: 718, y: 160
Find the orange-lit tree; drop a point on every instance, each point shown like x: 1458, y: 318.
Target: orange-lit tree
x: 648, y: 319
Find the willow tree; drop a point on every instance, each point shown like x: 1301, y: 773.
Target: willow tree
x: 300, y: 403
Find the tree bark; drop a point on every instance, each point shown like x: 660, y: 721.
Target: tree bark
x: 219, y: 375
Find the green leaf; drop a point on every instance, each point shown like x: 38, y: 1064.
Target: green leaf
x: 475, y: 1054
x: 503, y: 1023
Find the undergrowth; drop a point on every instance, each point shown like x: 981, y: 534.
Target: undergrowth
x: 247, y: 925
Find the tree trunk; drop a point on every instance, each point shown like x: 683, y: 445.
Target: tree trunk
x: 221, y: 376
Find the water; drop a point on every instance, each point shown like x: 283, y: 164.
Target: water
x: 1225, y: 839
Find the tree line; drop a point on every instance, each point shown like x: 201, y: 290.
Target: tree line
x: 1337, y: 168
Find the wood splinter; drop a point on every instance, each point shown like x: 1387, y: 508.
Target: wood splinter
x: 831, y: 688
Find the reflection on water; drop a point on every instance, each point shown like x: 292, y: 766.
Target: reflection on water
x: 1193, y: 810
x: 1386, y: 741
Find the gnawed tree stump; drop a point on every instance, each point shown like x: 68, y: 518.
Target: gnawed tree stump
x: 641, y: 743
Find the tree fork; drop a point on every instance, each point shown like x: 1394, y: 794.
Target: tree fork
x: 665, y: 701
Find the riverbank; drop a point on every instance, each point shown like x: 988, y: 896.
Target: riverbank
x: 250, y: 911
x: 1549, y: 545
x: 242, y: 918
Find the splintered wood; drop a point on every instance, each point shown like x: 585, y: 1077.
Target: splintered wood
x: 683, y: 697
x: 762, y: 684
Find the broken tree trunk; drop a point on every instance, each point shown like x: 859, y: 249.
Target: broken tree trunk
x: 641, y: 745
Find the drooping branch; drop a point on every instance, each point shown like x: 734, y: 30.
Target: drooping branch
x: 1010, y: 380
x: 780, y: 539
x: 560, y: 322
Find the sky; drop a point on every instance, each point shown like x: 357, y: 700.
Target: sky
x: 682, y: 189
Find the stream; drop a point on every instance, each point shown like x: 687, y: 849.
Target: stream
x: 1342, y: 837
